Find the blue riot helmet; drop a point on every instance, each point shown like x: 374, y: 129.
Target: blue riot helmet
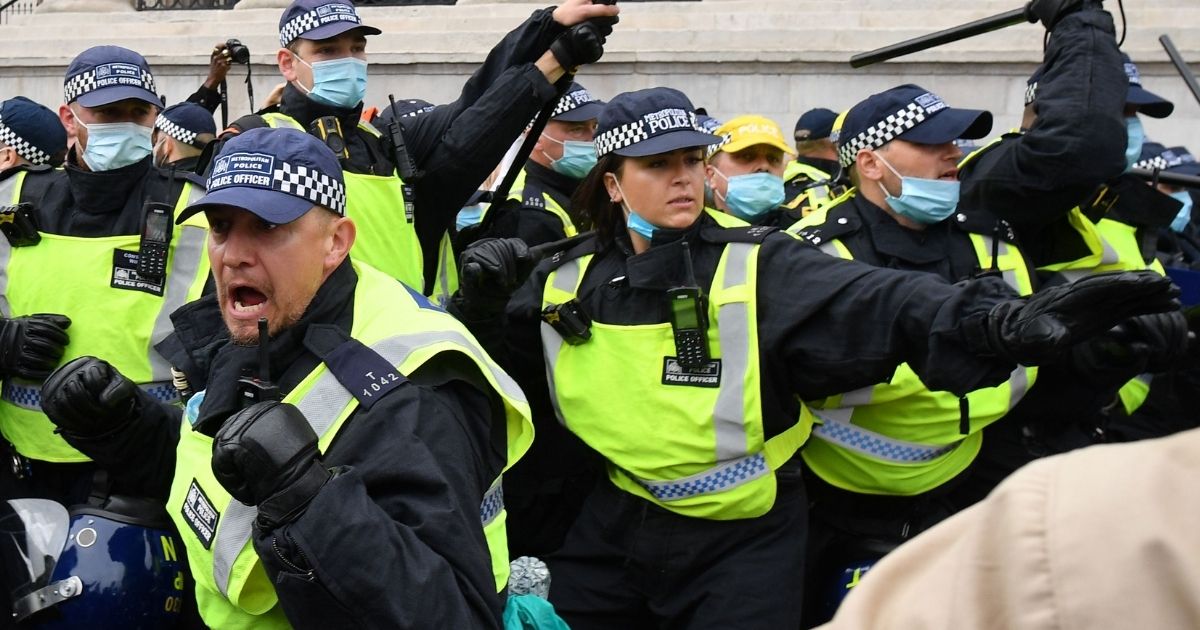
x: 101, y: 567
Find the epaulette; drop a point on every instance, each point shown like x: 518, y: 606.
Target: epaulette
x: 836, y: 225
x: 577, y: 246
x: 747, y: 234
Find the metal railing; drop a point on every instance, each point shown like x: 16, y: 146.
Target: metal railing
x: 9, y: 8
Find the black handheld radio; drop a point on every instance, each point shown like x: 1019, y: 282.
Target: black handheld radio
x: 18, y: 225
x: 256, y: 389
x: 689, y: 318
x: 157, y: 222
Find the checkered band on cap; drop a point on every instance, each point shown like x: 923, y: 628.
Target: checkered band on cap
x: 1031, y: 92
x: 108, y: 75
x: 320, y: 16
x: 881, y: 132
x: 716, y: 146
x: 297, y: 180
x: 572, y: 100
x: 1157, y: 162
x: 23, y: 148
x: 168, y: 126
x: 640, y: 130
x: 1166, y: 159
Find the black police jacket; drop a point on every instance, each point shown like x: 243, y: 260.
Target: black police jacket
x: 1034, y: 179
x: 458, y: 144
x: 536, y: 225
x: 825, y: 326
x: 394, y: 539
x: 75, y: 202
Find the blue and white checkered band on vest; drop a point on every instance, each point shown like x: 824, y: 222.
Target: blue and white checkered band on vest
x: 320, y: 16
x: 260, y: 170
x: 108, y: 75
x: 890, y: 128
x: 649, y: 126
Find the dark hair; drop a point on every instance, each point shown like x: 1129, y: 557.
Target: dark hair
x: 591, y: 199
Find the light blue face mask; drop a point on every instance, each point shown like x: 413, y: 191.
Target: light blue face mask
x: 926, y: 201
x: 749, y: 196
x: 337, y: 82
x: 1184, y: 217
x: 113, y: 145
x: 578, y: 158
x: 468, y: 216
x: 1136, y: 135
x: 634, y: 221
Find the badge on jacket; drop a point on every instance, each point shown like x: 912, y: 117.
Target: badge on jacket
x: 200, y: 514
x: 707, y: 375
x: 125, y: 275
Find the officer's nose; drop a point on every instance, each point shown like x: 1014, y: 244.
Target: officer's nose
x: 238, y: 249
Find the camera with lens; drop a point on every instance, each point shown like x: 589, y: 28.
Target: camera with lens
x: 238, y: 51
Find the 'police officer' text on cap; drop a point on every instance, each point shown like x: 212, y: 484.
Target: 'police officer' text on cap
x: 107, y: 74
x: 277, y: 174
x: 320, y: 19
x: 907, y: 112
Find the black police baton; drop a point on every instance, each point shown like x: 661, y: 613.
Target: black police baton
x: 1175, y: 179
x: 933, y: 40
x: 1181, y: 66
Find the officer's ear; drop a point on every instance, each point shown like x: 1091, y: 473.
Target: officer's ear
x: 67, y: 117
x: 342, y: 233
x: 287, y: 64
x: 868, y: 165
x: 610, y: 185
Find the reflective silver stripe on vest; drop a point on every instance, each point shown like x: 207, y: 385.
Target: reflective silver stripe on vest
x: 1002, y: 250
x: 493, y: 502
x: 729, y: 413
x: 321, y: 406
x: 566, y: 278
x: 1108, y: 257
x: 7, y: 187
x: 830, y: 249
x: 447, y: 259
x: 30, y: 396
x: 839, y: 431
x: 185, y: 262
x: 1018, y: 386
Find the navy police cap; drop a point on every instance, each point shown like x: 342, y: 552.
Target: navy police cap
x: 107, y: 74
x: 320, y: 19
x: 406, y: 108
x: 31, y: 129
x: 649, y: 122
x: 815, y: 124
x: 185, y: 121
x: 276, y: 174
x: 1174, y: 159
x: 907, y: 112
x: 1145, y: 101
x: 577, y: 105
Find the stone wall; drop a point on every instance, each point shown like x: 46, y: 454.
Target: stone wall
x: 776, y: 57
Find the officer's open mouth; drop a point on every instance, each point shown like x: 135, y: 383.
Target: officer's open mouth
x: 247, y: 299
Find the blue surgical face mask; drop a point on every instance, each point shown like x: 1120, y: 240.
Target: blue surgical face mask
x: 337, y: 82
x: 113, y: 145
x: 1184, y: 217
x: 635, y: 221
x: 578, y: 158
x: 749, y: 196
x: 468, y: 216
x: 1136, y: 135
x: 926, y: 201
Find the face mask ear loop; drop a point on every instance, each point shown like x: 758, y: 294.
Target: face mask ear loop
x: 298, y: 83
x: 894, y: 172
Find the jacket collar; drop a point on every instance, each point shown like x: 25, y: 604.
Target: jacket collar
x: 102, y: 192
x: 892, y: 240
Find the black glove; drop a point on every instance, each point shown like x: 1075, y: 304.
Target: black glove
x: 1161, y: 339
x: 30, y: 346
x: 1049, y: 12
x: 490, y: 270
x: 582, y: 43
x: 266, y: 455
x: 1034, y: 330
x: 88, y: 398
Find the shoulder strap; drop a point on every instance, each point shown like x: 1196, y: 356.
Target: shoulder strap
x: 363, y: 372
x: 747, y: 234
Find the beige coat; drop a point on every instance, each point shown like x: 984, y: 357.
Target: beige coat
x: 1106, y: 537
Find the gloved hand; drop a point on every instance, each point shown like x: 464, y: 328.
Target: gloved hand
x: 266, y: 455
x: 1160, y: 339
x: 490, y: 270
x: 582, y: 43
x: 1034, y: 330
x: 87, y: 397
x: 1049, y: 12
x: 31, y: 345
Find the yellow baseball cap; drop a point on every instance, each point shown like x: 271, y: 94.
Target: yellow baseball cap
x: 749, y: 130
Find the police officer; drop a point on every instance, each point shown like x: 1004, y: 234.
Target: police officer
x: 102, y: 257
x: 810, y: 178
x: 30, y: 134
x: 181, y: 132
x: 404, y: 224
x: 368, y: 496
x: 658, y: 344
x: 883, y: 455
x: 563, y: 155
x: 1179, y: 244
x: 745, y: 170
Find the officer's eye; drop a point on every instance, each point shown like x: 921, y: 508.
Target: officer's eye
x: 218, y: 226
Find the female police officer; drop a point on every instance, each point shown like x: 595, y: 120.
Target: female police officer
x: 659, y: 345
